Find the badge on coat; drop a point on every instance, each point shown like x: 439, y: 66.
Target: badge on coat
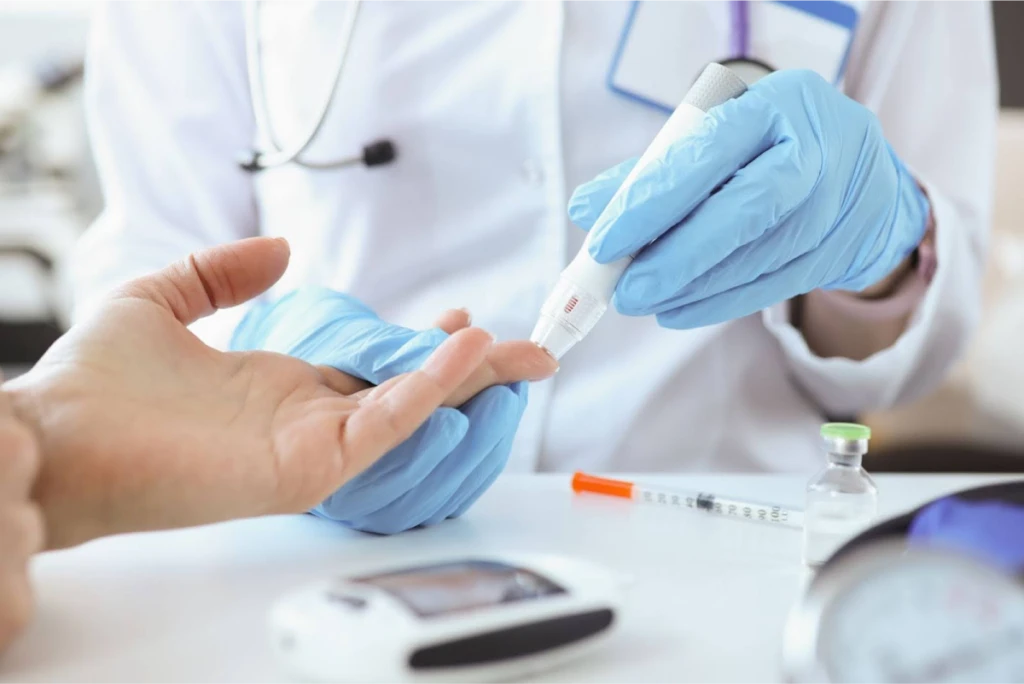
x: 654, y: 62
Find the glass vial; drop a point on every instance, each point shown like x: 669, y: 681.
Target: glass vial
x: 842, y: 499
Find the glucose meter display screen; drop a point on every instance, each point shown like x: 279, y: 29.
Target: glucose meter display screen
x: 434, y: 590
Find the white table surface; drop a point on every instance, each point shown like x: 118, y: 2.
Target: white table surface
x: 708, y: 604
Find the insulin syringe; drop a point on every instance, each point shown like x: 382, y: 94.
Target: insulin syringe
x: 727, y: 507
x: 585, y: 288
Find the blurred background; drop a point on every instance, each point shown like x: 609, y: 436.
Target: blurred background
x: 48, y: 190
x: 49, y: 194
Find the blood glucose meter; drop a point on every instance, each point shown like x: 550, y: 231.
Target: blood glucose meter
x: 473, y: 619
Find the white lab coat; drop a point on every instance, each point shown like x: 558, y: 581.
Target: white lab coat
x: 498, y: 111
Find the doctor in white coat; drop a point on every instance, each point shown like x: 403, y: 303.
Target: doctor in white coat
x: 848, y: 277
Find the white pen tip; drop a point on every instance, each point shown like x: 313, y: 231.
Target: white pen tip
x: 553, y: 337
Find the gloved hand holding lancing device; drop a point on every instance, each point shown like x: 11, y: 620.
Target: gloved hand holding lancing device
x: 789, y: 187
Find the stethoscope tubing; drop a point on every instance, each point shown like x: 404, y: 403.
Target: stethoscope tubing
x: 276, y: 155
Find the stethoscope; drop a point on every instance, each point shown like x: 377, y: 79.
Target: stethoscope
x: 383, y: 151
x: 375, y: 154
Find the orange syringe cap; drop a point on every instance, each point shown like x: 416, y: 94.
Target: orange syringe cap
x: 581, y: 482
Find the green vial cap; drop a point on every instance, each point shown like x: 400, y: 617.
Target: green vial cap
x: 847, y: 431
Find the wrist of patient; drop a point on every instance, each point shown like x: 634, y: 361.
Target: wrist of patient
x: 65, y: 523
x: 19, y: 409
x: 15, y: 394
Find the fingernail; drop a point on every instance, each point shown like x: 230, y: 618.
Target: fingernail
x: 545, y: 376
x: 469, y: 315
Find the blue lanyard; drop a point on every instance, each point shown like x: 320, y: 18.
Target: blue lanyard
x: 739, y: 36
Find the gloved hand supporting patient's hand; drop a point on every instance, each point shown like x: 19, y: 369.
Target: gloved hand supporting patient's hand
x: 454, y: 456
x: 789, y: 188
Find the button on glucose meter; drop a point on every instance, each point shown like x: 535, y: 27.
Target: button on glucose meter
x: 464, y: 620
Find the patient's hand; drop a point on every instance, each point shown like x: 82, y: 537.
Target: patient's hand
x: 21, y: 526
x: 142, y: 426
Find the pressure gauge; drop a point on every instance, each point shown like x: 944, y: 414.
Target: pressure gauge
x: 887, y: 613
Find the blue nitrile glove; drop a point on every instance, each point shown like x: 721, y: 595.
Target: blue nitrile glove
x: 788, y: 188
x: 446, y: 464
x: 990, y: 531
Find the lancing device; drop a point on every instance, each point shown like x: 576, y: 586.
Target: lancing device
x: 585, y: 287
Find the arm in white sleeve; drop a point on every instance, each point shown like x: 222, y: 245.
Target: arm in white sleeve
x: 928, y: 71
x: 168, y: 109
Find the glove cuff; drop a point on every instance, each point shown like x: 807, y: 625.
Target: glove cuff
x: 903, y: 298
